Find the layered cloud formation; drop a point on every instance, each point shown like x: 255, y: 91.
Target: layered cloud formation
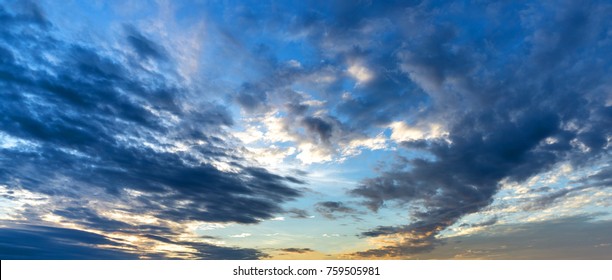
x: 147, y: 128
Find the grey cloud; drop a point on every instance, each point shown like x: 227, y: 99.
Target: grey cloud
x: 488, y: 222
x: 298, y: 213
x: 319, y: 127
x: 296, y: 250
x: 334, y: 209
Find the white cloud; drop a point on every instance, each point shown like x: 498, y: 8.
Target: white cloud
x: 208, y: 226
x: 14, y: 201
x: 361, y: 73
x: 250, y: 134
x: 310, y: 153
x: 242, y: 235
x: 272, y: 156
x: 276, y: 129
x: 355, y: 146
x: 403, y: 132
x: 294, y: 63
x: 10, y: 142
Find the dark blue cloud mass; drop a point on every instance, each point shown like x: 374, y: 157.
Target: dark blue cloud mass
x: 20, y: 242
x: 97, y: 125
x: 88, y: 118
x: 515, y: 101
x: 27, y: 242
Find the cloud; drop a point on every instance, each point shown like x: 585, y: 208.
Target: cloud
x: 21, y: 242
x: 242, y: 235
x: 27, y: 13
x: 496, y: 131
x: 334, y: 209
x: 299, y: 213
x: 401, y: 132
x: 361, y: 73
x: 144, y: 46
x: 90, y: 124
x: 296, y: 250
x: 95, y: 120
x: 574, y: 237
x: 601, y: 179
x: 465, y: 100
x: 26, y: 242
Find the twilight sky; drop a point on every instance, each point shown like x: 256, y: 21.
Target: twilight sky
x: 305, y: 129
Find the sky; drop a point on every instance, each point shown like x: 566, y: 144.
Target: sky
x: 305, y: 129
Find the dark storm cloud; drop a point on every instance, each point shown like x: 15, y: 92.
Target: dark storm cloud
x: 508, y: 124
x: 19, y: 242
x: 97, y: 129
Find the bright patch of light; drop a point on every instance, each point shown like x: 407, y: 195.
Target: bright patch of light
x: 403, y: 132
x: 361, y: 73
